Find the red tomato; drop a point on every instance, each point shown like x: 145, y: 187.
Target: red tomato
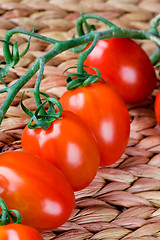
x: 35, y: 188
x: 105, y: 113
x: 19, y: 232
x: 125, y: 64
x: 69, y: 145
x: 157, y: 107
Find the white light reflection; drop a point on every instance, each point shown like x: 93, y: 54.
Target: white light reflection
x: 107, y: 130
x: 128, y: 74
x: 98, y: 53
x: 12, y: 180
x: 52, y: 207
x: 51, y: 133
x: 73, y: 155
x: 12, y: 235
x: 77, y: 101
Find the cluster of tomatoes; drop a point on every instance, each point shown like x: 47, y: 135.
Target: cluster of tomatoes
x: 92, y: 131
x: 123, y: 63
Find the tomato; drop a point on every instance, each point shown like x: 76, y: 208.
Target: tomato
x: 35, y: 188
x: 19, y: 232
x: 69, y: 145
x: 105, y: 113
x: 125, y: 64
x: 157, y: 107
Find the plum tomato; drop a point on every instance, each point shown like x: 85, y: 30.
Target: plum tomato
x: 103, y: 110
x: 126, y: 65
x: 19, y: 232
x: 68, y: 144
x: 36, y: 189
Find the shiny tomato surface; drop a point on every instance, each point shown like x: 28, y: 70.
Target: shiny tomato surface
x: 157, y: 108
x: 126, y: 65
x: 19, y: 232
x: 68, y: 144
x: 105, y: 113
x: 35, y: 188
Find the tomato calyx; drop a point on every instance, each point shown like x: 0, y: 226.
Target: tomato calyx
x: 45, y: 119
x: 7, y: 215
x: 75, y: 80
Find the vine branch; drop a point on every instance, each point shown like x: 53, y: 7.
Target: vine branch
x: 76, y: 45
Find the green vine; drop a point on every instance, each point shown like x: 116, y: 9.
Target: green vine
x: 86, y: 33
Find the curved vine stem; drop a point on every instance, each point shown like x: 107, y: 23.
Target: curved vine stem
x: 10, y: 33
x: 37, y: 85
x: 80, y: 22
x: 154, y: 23
x: 83, y: 55
x: 113, y: 31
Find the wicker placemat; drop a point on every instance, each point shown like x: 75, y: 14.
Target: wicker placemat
x: 123, y: 202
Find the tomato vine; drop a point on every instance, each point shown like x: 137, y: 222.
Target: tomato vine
x: 86, y: 34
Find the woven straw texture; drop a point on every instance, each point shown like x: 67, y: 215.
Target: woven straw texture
x: 123, y: 201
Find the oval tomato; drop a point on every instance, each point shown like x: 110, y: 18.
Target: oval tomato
x: 35, y: 188
x: 157, y: 107
x: 105, y: 113
x: 69, y: 145
x: 19, y: 232
x: 126, y: 65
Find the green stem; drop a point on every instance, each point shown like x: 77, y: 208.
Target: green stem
x: 80, y: 22
x: 37, y: 86
x: 83, y: 55
x: 154, y: 23
x: 155, y: 56
x: 10, y: 33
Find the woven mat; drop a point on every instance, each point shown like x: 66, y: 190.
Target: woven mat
x: 123, y: 201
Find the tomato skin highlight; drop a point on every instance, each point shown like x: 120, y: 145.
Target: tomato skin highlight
x: 35, y: 188
x: 69, y: 145
x: 105, y: 113
x: 19, y: 232
x: 125, y: 64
